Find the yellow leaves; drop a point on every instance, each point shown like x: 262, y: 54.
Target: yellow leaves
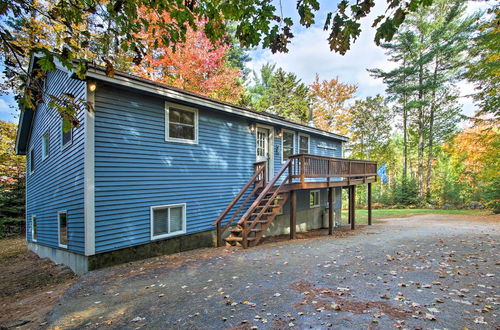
x: 330, y: 111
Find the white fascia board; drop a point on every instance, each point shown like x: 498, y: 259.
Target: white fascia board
x: 127, y: 82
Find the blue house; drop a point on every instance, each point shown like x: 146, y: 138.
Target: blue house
x: 152, y: 170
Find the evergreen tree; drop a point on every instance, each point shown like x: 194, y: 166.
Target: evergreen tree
x: 484, y: 69
x: 429, y: 51
x: 281, y: 93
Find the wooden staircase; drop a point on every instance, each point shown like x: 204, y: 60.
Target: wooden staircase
x: 269, y: 199
x: 301, y: 171
x: 249, y: 232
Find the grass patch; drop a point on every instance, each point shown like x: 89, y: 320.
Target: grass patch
x: 10, y: 248
x: 362, y: 215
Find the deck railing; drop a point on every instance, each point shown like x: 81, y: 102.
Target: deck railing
x: 311, y: 166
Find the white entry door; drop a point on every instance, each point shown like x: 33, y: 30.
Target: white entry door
x: 264, y: 150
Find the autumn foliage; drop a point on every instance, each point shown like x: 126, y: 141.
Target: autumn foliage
x: 330, y: 111
x: 196, y: 65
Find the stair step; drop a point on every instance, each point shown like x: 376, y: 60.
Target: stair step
x: 238, y: 230
x: 265, y: 213
x: 237, y: 239
x: 273, y: 206
x: 259, y: 221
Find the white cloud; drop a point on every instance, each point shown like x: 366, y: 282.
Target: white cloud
x: 310, y: 54
x: 4, y: 107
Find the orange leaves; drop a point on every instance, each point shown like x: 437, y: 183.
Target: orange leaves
x: 196, y: 65
x: 330, y: 111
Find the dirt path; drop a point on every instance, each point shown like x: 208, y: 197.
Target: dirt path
x: 421, y: 272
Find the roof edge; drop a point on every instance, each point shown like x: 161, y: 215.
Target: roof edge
x: 132, y: 81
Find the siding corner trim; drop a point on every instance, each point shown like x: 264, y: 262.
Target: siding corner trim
x: 89, y: 174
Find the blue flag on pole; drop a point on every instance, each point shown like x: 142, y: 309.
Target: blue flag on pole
x: 381, y: 172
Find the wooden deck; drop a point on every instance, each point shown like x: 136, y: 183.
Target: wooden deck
x: 301, y: 171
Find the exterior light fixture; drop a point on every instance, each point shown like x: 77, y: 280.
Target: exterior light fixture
x: 92, y: 86
x: 251, y: 127
x: 278, y: 131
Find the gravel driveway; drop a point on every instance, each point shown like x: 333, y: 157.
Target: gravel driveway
x: 429, y: 271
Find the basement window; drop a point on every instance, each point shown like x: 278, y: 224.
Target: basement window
x: 314, y: 198
x: 168, y: 220
x: 33, y: 228
x: 63, y: 228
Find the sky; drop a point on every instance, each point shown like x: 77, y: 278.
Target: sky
x: 309, y: 55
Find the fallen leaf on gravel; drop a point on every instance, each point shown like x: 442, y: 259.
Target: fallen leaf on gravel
x: 440, y: 300
x: 430, y: 317
x: 465, y: 302
x: 385, y: 296
x: 335, y: 307
x: 480, y: 320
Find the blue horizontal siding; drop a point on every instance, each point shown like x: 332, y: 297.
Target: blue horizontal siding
x: 135, y: 168
x: 57, y: 183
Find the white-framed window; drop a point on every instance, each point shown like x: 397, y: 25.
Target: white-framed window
x: 304, y: 142
x: 34, y: 229
x: 168, y: 220
x: 287, y: 144
x: 66, y: 132
x: 32, y: 160
x: 314, y: 198
x: 62, y: 223
x: 45, y: 145
x: 181, y: 123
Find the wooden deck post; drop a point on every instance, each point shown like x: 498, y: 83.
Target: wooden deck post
x: 353, y: 203
x: 369, y: 202
x: 293, y: 213
x: 349, y: 207
x: 330, y: 211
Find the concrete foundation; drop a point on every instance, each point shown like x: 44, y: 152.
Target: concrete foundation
x: 314, y: 218
x: 309, y: 219
x: 81, y: 264
x: 77, y: 262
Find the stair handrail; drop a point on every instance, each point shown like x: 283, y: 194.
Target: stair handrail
x: 271, y: 200
x: 264, y: 192
x: 260, y: 166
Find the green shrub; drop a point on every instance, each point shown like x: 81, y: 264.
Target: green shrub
x: 12, y: 227
x: 494, y: 205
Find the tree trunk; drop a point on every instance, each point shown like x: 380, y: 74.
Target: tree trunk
x: 430, y: 154
x: 405, y: 131
x: 421, y: 145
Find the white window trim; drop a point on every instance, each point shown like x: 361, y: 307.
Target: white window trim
x: 70, y: 142
x: 32, y: 155
x: 33, y: 229
x: 270, y: 165
x: 64, y: 246
x: 182, y: 107
x: 318, y: 201
x: 294, y: 142
x: 176, y: 233
x: 48, y: 145
x: 308, y: 142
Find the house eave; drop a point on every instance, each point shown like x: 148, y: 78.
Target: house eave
x: 144, y: 85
